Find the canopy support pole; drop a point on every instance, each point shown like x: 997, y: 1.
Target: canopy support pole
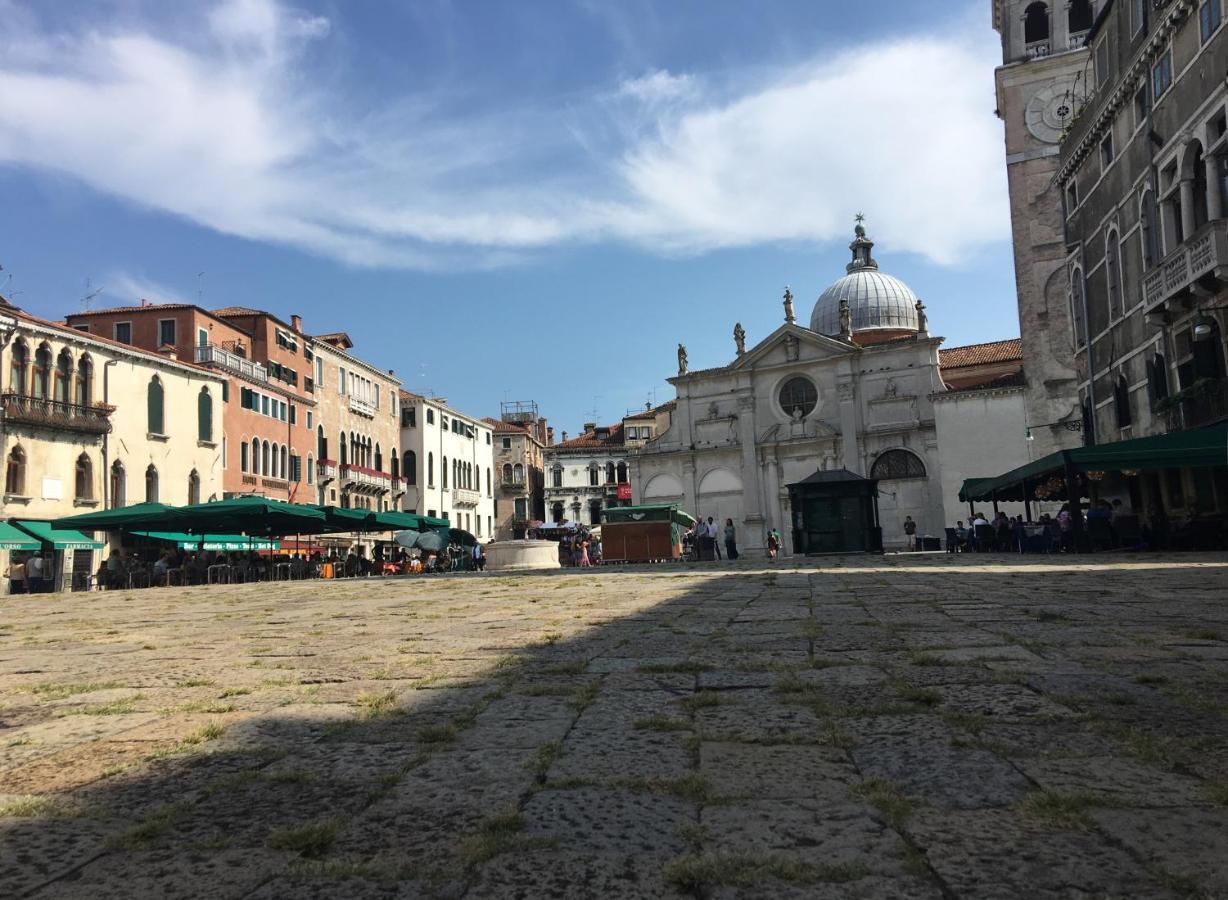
x: 1072, y: 498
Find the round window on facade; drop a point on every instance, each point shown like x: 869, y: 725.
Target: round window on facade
x: 798, y: 397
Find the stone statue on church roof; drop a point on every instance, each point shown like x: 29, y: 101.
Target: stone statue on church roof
x: 788, y: 305
x: 739, y: 337
x: 923, y: 321
x: 682, y: 361
x: 846, y: 320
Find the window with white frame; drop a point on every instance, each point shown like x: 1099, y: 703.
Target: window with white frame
x: 1209, y: 17
x: 1162, y: 75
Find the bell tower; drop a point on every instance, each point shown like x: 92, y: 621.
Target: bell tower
x: 1038, y: 86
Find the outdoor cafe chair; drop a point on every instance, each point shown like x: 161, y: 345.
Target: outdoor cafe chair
x: 986, y: 538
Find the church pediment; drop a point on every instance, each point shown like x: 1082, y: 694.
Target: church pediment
x: 792, y: 343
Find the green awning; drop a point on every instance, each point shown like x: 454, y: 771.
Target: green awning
x: 210, y: 541
x: 1199, y: 448
x: 391, y: 520
x: 59, y: 538
x: 12, y: 538
x: 653, y: 513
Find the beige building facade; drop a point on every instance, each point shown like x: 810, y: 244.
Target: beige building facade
x: 91, y: 424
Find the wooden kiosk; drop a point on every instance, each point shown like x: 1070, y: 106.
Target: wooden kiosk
x: 643, y: 533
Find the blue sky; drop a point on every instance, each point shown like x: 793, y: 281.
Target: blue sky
x: 531, y: 200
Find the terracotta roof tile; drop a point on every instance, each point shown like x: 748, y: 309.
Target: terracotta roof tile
x: 128, y: 309
x: 1011, y: 379
x: 590, y: 439
x: 981, y: 354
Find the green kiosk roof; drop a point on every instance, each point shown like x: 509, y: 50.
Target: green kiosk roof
x: 59, y: 538
x: 13, y: 538
x: 656, y: 513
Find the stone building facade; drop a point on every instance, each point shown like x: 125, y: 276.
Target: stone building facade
x: 356, y: 461
x: 1144, y: 176
x: 269, y: 395
x: 1040, y: 87
x: 519, y: 451
x: 89, y: 423
x: 447, y: 460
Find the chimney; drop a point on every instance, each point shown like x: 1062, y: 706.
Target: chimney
x: 296, y: 322
x: 549, y: 435
x: 144, y: 302
x: 564, y: 437
x: 648, y: 406
x: 590, y: 426
x: 168, y: 350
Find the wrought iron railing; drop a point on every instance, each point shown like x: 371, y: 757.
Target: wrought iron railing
x: 90, y: 418
x: 1203, y: 403
x: 211, y: 354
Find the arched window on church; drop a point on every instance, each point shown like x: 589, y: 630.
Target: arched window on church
x: 1079, y: 17
x: 896, y: 464
x: 1036, y: 27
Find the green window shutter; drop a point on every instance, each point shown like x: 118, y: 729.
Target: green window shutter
x: 156, y: 419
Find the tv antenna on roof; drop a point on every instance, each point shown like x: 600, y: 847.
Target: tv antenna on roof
x: 200, y: 291
x: 89, y: 295
x: 595, y: 412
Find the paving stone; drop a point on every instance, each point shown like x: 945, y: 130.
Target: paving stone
x: 1002, y: 701
x: 570, y: 876
x: 156, y: 874
x: 603, y: 820
x: 944, y: 776
x: 34, y: 851
x: 1190, y: 843
x: 775, y: 772
x: 1114, y: 781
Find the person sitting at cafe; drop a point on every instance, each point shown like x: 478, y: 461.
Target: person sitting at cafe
x: 961, y: 536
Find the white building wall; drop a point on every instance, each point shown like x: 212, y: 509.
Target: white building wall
x: 469, y: 504
x: 980, y: 434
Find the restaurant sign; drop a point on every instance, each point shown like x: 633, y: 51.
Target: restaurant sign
x: 624, y: 492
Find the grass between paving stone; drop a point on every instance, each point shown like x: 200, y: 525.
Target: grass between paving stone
x: 921, y: 658
x: 114, y: 708
x: 701, y: 700
x: 499, y: 834
x: 923, y: 696
x: 156, y: 823
x: 342, y: 869
x: 193, y: 743
x: 1217, y: 790
x: 683, y: 667
x: 31, y: 806
x: 1068, y: 811
x: 885, y: 796
x: 662, y: 723
x: 692, y: 787
x: 541, y: 762
x: 375, y: 706
x: 311, y: 839
x: 699, y: 873
x: 53, y: 691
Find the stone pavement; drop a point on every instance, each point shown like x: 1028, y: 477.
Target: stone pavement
x: 911, y: 727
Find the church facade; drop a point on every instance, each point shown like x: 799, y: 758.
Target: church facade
x: 854, y: 391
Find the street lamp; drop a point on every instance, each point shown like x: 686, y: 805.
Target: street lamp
x: 1069, y: 425
x: 1204, y: 325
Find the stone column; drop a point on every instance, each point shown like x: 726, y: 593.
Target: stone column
x: 848, y: 428
x: 1215, y: 202
x: 774, y: 516
x: 752, y: 516
x: 1187, y: 207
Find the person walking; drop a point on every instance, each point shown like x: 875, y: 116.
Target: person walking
x: 773, y: 543
x: 910, y: 533
x: 712, y: 530
x: 731, y: 543
x: 584, y: 560
x: 17, y: 575
x: 35, y: 579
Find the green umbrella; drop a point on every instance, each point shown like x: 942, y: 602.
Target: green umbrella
x: 339, y: 518
x: 123, y: 517
x: 431, y: 540
x: 391, y: 520
x: 251, y: 515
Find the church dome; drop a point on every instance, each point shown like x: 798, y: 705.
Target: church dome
x: 876, y: 300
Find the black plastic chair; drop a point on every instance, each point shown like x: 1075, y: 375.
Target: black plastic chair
x: 953, y: 541
x: 986, y: 538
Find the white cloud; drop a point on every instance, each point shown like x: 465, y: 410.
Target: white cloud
x: 225, y: 130
x: 125, y: 289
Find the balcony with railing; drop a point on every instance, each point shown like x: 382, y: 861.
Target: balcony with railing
x: 1205, y: 402
x: 363, y: 477
x: 326, y: 470
x: 1037, y: 49
x: 1077, y: 39
x: 362, y: 407
x: 57, y: 414
x: 213, y: 355
x: 465, y: 497
x: 1203, y: 259
x: 513, y: 485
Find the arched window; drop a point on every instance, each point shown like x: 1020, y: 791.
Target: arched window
x: 556, y: 475
x: 193, y: 487
x: 204, y: 415
x: 556, y: 512
x: 255, y: 456
x: 84, y: 481
x: 42, y: 373
x: 430, y: 469
x: 1157, y: 377
x: 409, y: 467
x: 1148, y: 233
x: 15, y: 473
x: 1112, y: 253
x: 311, y: 469
x: 19, y: 363
x: 1200, y: 185
x: 594, y: 474
x: 284, y: 470
x: 265, y: 459
x: 154, y: 397
x: 622, y: 473
x: 895, y: 464
x: 63, y: 377
x: 119, y: 485
x: 1121, y: 402
x: 151, y: 483
x: 488, y: 490
x: 507, y: 472
x: 798, y: 396
x: 1036, y: 23
x: 609, y: 473
x: 518, y: 473
x: 379, y: 459
x: 1078, y: 323
x: 443, y: 473
x: 341, y: 448
x: 321, y: 443
x: 85, y: 381
x: 395, y: 459
x: 1080, y: 16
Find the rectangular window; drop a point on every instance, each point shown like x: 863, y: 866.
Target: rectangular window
x: 310, y: 420
x: 1138, y: 15
x: 1102, y: 63
x: 84, y: 328
x: 1162, y: 75
x: 1140, y: 107
x: 225, y: 391
x: 340, y: 381
x: 1106, y: 151
x: 264, y: 404
x: 1209, y: 16
x: 202, y: 337
x: 296, y: 468
x: 293, y: 414
x: 243, y: 457
x: 507, y: 443
x: 633, y: 433
x: 1072, y: 197
x: 430, y: 417
x: 376, y: 396
x: 122, y: 332
x: 430, y: 513
x: 166, y: 332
